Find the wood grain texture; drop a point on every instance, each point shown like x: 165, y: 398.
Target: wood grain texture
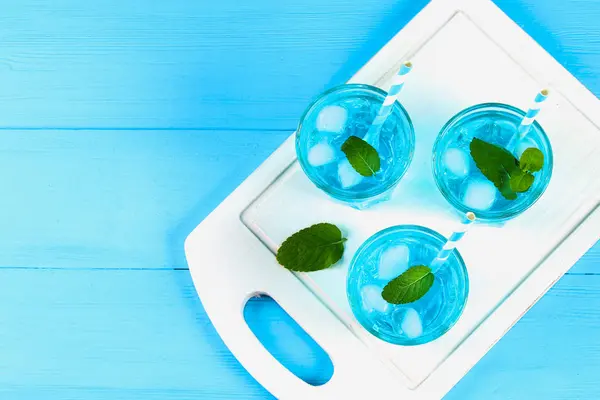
x: 119, y: 198
x: 589, y: 264
x: 565, y: 28
x: 123, y: 334
x: 143, y: 334
x: 550, y: 354
x: 123, y: 198
x: 181, y: 63
x: 225, y: 64
x: 93, y: 220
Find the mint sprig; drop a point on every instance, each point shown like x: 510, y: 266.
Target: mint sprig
x: 312, y: 249
x: 410, y: 286
x: 362, y: 156
x: 499, y: 166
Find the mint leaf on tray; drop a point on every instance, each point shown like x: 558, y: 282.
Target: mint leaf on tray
x: 312, y: 249
x: 362, y: 156
x: 413, y: 284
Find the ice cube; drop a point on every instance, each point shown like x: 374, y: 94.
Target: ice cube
x: 479, y: 195
x: 523, y: 145
x: 506, y: 127
x: 411, y: 324
x: 372, y: 300
x: 320, y: 154
x: 489, y: 130
x: 456, y: 162
x: 332, y: 119
x: 462, y: 136
x: 485, y: 129
x: 347, y: 175
x: 393, y: 262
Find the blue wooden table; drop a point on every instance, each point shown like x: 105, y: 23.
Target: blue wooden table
x: 123, y: 123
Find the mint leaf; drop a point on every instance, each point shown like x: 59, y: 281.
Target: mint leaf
x: 509, y: 175
x: 496, y: 164
x: 362, y: 156
x: 521, y: 181
x: 312, y: 249
x: 532, y: 160
x: 493, y: 161
x: 413, y: 284
x: 505, y: 189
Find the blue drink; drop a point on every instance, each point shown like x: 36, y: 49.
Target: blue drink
x: 345, y: 111
x: 386, y: 255
x: 458, y: 177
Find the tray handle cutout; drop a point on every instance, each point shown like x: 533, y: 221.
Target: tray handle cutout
x: 287, y: 341
x: 225, y: 289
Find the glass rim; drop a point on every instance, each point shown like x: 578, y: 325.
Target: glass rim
x: 343, y: 194
x: 461, y: 270
x: 497, y: 216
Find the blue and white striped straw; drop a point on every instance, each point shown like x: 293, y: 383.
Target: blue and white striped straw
x: 533, y: 111
x: 372, y: 136
x: 528, y: 119
x: 450, y: 245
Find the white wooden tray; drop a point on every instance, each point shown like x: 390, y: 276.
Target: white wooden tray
x: 464, y: 52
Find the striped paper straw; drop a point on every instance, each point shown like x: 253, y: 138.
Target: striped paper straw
x: 450, y: 245
x: 529, y: 118
x: 532, y: 113
x: 372, y: 136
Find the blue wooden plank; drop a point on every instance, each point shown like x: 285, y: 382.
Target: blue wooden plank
x: 567, y: 29
x: 552, y: 352
x: 220, y: 64
x: 56, y: 392
x: 181, y: 63
x: 119, y: 334
x: 589, y: 263
x: 124, y: 334
x: 175, y: 64
x: 120, y: 199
